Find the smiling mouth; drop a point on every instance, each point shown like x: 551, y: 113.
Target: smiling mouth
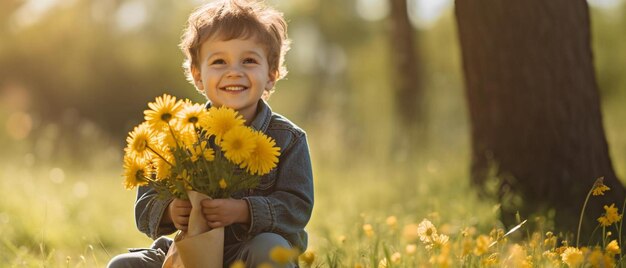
x: 234, y: 88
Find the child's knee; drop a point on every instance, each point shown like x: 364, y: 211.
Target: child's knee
x: 257, y: 251
x: 126, y: 260
x: 146, y: 258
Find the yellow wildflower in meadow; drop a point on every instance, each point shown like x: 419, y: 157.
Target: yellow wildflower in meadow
x: 307, y: 257
x: 426, y: 231
x: 392, y: 222
x: 396, y: 257
x: 282, y: 255
x: 341, y: 239
x: 597, y: 259
x: 410, y: 233
x: 599, y: 188
x: 410, y: 249
x: 613, y: 248
x: 482, y: 245
x: 610, y: 216
x: 368, y: 230
x: 572, y: 256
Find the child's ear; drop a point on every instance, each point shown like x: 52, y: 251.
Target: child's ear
x: 271, y: 81
x: 197, y: 78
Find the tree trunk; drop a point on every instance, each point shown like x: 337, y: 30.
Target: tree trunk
x: 534, y: 107
x: 406, y: 76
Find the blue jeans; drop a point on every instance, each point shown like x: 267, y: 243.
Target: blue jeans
x: 252, y: 252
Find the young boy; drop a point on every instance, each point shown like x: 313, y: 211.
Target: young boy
x: 235, y: 54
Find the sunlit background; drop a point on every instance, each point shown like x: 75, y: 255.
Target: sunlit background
x: 75, y: 76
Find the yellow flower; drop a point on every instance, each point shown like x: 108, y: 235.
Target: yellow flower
x: 613, y: 248
x: 308, y: 257
x: 265, y: 265
x: 218, y: 121
x: 223, y: 184
x: 572, y: 256
x: 383, y: 263
x: 135, y: 171
x: 611, y: 216
x: 190, y: 114
x: 392, y: 222
x: 517, y: 257
x: 202, y: 150
x: 409, y: 232
x: 162, y: 111
x: 440, y: 240
x: 597, y: 259
x: 238, y: 144
x: 396, y: 258
x: 443, y: 259
x: 164, y: 166
x: 282, y: 255
x: 177, y: 136
x: 139, y: 140
x: 550, y: 241
x: 410, y: 249
x: 491, y: 260
x: 482, y: 245
x: 426, y: 231
x: 263, y: 157
x: 238, y: 264
x: 599, y: 188
x: 369, y: 230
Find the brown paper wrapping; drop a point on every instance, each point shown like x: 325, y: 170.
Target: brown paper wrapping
x: 199, y: 246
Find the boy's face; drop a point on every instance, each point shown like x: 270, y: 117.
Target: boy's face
x: 233, y: 73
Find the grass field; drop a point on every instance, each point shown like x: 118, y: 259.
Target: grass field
x: 58, y: 209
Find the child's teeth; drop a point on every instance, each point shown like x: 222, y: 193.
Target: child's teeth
x: 234, y: 88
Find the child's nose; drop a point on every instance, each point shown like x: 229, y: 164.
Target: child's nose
x: 234, y: 71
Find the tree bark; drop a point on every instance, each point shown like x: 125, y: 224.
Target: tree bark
x: 406, y: 74
x: 534, y: 107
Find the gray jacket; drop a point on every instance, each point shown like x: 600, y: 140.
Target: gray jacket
x: 281, y: 204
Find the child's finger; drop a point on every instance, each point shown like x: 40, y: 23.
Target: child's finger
x: 210, y: 211
x: 181, y: 203
x: 212, y: 203
x: 212, y: 217
x: 183, y: 211
x: 215, y: 224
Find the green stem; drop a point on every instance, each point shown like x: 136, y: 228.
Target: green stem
x: 621, y: 223
x: 580, y: 221
x: 160, y: 156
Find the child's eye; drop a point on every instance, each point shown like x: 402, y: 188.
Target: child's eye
x: 250, y: 60
x: 218, y: 61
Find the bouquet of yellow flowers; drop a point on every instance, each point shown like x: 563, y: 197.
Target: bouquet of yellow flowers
x: 185, y: 151
x: 182, y: 146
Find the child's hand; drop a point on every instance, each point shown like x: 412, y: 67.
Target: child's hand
x: 178, y: 211
x: 224, y: 212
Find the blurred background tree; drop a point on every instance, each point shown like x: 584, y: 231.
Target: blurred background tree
x: 534, y: 107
